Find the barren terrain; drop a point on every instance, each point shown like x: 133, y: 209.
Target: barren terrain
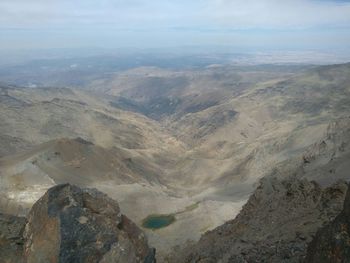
x: 162, y: 141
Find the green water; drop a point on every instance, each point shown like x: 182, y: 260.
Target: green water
x: 158, y: 221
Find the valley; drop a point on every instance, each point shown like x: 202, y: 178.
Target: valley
x: 191, y: 143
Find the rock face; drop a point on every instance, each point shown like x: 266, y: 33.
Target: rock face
x: 332, y: 243
x: 69, y: 224
x: 11, y: 238
x: 275, y: 225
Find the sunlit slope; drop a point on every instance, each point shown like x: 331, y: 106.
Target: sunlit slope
x: 242, y: 139
x: 39, y: 115
x: 75, y: 161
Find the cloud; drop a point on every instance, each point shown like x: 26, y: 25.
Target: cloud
x: 141, y: 13
x: 279, y: 14
x: 40, y: 13
x: 131, y: 22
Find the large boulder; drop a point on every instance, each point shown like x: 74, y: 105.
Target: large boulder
x: 332, y: 242
x: 69, y: 224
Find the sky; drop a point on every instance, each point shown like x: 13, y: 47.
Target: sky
x: 247, y: 24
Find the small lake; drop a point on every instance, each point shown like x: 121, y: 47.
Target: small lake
x: 158, y: 221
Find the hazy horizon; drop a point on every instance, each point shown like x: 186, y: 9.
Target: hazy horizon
x: 235, y: 25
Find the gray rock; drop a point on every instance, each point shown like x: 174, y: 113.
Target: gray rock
x: 332, y: 242
x: 69, y: 224
x: 11, y: 238
x: 276, y: 224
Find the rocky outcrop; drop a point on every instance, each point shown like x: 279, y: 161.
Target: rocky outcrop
x: 69, y: 224
x: 275, y: 225
x: 332, y: 243
x: 11, y: 238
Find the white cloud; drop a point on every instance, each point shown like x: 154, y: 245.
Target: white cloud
x: 141, y: 13
x: 40, y: 13
x: 172, y: 22
x: 279, y: 14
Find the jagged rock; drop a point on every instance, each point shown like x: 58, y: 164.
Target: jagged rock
x: 11, y: 238
x: 276, y: 224
x: 332, y: 242
x: 69, y: 224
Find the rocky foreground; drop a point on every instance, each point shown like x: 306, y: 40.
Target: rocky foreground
x: 69, y: 224
x: 277, y: 225
x: 332, y: 243
x: 291, y: 220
